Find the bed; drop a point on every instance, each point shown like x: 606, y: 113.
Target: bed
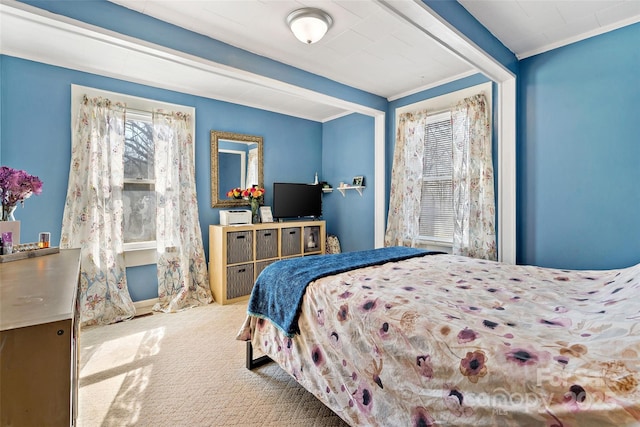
x: 427, y: 339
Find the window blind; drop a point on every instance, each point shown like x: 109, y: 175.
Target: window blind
x: 436, y: 213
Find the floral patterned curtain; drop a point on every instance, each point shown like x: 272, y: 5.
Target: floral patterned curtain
x: 473, y: 193
x: 182, y: 270
x: 406, y: 181
x: 92, y: 218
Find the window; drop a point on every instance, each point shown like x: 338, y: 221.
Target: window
x: 138, y: 196
x: 433, y: 226
x: 436, y: 214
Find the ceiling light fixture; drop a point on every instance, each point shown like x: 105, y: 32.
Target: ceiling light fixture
x: 309, y: 24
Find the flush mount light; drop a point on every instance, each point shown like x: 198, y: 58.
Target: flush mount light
x: 309, y: 24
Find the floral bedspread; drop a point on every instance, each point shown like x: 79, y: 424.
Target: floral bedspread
x: 449, y: 340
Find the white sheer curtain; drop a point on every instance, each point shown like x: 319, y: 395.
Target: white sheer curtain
x: 252, y: 167
x: 182, y: 270
x: 406, y: 181
x: 92, y: 219
x: 473, y: 191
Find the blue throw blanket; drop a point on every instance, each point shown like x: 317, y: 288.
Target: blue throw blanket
x: 278, y: 291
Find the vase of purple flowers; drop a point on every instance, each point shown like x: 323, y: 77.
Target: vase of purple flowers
x: 16, y: 186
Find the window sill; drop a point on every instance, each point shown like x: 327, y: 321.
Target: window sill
x: 137, y: 256
x: 434, y: 245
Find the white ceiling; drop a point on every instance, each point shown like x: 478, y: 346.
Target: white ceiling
x: 530, y: 27
x: 371, y: 45
x: 368, y: 47
x: 374, y: 50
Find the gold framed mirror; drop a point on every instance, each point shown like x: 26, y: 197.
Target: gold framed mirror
x: 236, y: 161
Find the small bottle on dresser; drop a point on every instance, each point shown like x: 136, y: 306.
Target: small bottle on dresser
x: 7, y: 243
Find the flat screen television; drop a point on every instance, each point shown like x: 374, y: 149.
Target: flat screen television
x: 293, y: 200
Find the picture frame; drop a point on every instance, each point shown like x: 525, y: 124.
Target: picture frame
x: 265, y: 214
x: 311, y: 239
x: 358, y: 181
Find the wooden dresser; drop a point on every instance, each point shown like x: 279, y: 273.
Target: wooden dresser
x: 238, y: 253
x: 38, y: 340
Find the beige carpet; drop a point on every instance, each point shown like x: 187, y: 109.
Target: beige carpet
x: 186, y: 369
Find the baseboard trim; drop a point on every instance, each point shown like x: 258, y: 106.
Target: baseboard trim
x: 144, y: 307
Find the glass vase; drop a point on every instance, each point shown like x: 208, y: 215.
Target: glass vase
x: 254, y: 211
x: 7, y: 213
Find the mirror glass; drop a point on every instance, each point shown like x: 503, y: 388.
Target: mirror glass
x: 236, y: 161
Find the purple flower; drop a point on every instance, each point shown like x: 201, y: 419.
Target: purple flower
x: 317, y: 356
x: 454, y: 401
x: 16, y: 186
x: 424, y: 366
x: 368, y: 305
x: 421, y: 417
x: 466, y: 335
x: 363, y: 398
x: 343, y: 313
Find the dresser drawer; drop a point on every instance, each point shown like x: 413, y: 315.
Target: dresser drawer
x: 239, y: 280
x: 291, y: 241
x: 266, y: 244
x: 239, y: 247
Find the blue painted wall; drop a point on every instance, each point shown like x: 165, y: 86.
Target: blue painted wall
x: 36, y: 137
x: 348, y: 151
x: 579, y: 154
x: 572, y: 188
x: 142, y: 282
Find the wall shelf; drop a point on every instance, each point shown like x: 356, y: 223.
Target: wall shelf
x: 358, y: 188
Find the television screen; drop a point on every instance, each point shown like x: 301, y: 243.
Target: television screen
x: 291, y: 200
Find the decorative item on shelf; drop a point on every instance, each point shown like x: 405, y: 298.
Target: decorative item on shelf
x: 12, y: 227
x: 255, y: 196
x: 357, y: 184
x: 255, y: 204
x: 7, y: 243
x: 44, y: 239
x: 16, y: 186
x: 265, y: 214
x: 27, y: 250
